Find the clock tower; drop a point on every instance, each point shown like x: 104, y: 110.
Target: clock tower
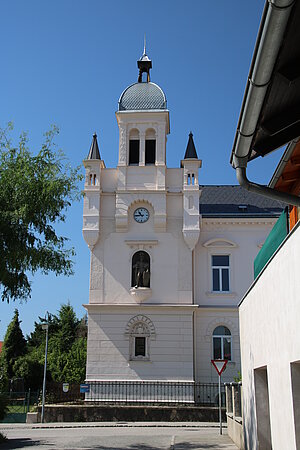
x: 141, y: 223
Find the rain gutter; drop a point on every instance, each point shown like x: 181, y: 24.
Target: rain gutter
x: 273, y: 25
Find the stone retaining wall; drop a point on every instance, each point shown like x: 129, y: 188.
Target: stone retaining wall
x: 101, y: 413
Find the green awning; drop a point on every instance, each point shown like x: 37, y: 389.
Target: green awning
x: 274, y: 239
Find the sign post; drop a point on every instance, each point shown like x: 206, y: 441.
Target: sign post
x: 220, y: 366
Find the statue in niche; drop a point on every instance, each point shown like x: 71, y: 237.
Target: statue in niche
x: 141, y: 270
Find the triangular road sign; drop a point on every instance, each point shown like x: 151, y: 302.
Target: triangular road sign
x: 219, y: 365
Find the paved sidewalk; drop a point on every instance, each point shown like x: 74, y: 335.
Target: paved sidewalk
x: 11, y: 426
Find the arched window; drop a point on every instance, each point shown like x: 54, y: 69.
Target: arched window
x: 140, y: 270
x: 140, y: 331
x: 222, y: 343
x: 134, y: 147
x: 139, y: 338
x: 150, y: 147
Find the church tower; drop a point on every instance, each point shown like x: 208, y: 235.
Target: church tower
x: 141, y: 223
x: 143, y: 121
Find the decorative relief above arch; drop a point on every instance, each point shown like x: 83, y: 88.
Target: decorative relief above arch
x: 125, y: 201
x: 218, y: 321
x: 219, y: 242
x: 136, y: 202
x: 139, y: 323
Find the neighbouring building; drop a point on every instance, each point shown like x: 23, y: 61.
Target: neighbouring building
x: 170, y: 257
x: 270, y: 310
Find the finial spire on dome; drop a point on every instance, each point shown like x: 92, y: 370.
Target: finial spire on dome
x: 144, y: 44
x: 144, y: 64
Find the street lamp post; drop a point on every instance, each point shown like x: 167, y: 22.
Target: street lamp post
x: 45, y: 326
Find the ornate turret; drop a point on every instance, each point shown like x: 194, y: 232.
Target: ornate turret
x: 191, y: 223
x: 91, y: 204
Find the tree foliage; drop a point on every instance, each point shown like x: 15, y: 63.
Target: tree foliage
x: 14, y: 346
x: 35, y: 191
x: 66, y: 350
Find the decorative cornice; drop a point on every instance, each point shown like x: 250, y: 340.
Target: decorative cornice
x: 157, y: 306
x: 238, y: 221
x: 219, y: 242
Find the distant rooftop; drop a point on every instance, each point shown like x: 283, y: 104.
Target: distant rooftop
x: 235, y: 201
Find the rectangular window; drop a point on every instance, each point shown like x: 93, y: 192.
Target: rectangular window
x: 150, y: 151
x: 222, y: 347
x: 134, y: 152
x: 220, y: 273
x: 140, y: 346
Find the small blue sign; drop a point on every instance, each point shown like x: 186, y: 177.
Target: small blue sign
x: 84, y: 388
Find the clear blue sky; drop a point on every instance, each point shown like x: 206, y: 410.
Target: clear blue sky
x: 67, y: 62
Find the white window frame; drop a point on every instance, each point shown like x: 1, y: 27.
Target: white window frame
x: 222, y: 336
x: 133, y: 336
x: 220, y: 273
x: 139, y: 326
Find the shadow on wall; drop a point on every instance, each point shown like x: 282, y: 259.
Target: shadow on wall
x: 249, y: 412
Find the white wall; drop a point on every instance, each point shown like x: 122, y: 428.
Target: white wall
x: 239, y: 238
x: 171, y: 352
x: 270, y: 337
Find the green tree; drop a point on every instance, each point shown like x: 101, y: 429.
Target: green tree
x: 35, y: 191
x: 74, y: 370
x: 37, y: 336
x: 14, y: 346
x: 68, y: 325
x: 30, y: 367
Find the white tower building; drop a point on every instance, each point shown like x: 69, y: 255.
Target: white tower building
x: 164, y: 279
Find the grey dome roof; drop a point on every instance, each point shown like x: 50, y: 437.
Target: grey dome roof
x: 142, y: 96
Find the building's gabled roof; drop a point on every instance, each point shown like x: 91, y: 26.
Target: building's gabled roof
x: 94, y: 152
x: 235, y: 201
x: 191, y: 152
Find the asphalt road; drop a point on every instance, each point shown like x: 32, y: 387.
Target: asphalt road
x: 117, y: 437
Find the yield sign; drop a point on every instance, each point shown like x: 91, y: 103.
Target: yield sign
x: 220, y: 365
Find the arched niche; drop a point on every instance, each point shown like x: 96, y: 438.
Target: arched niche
x: 140, y: 269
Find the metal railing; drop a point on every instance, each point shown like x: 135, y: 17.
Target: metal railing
x: 154, y: 392
x: 18, y: 405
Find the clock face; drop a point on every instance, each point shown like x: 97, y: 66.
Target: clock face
x: 141, y: 215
